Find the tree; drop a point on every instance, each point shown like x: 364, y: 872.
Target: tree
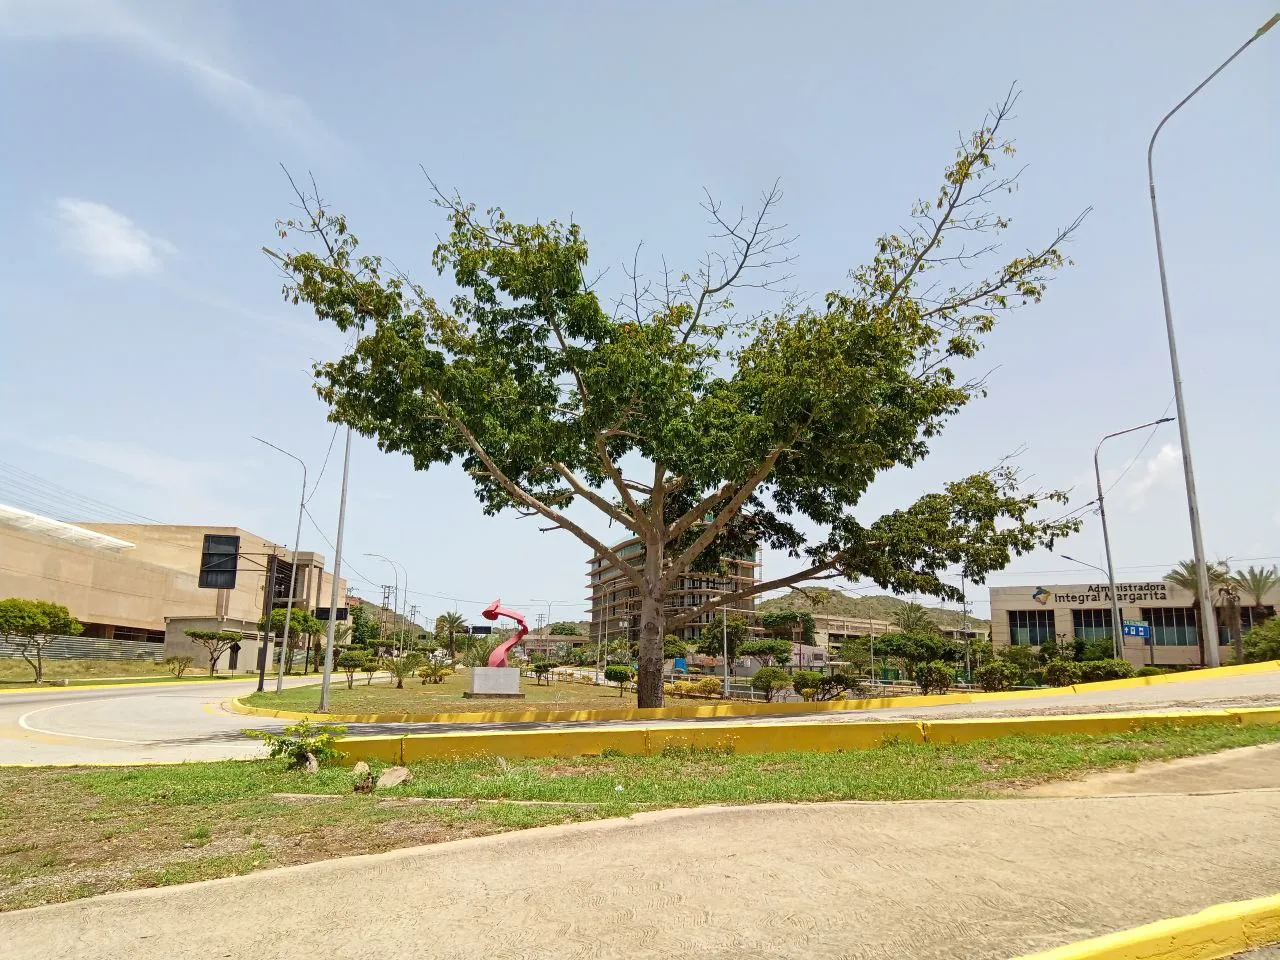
x: 770, y: 681
x: 673, y: 648
x: 702, y: 432
x: 433, y: 672
x: 912, y: 618
x: 935, y: 677
x: 178, y: 665
x: 1263, y: 642
x: 711, y: 642
x: 1025, y: 659
x: 1184, y: 575
x: 403, y: 666
x: 351, y: 661
x: 541, y: 667
x: 32, y: 624
x: 999, y: 674
x: 914, y: 649
x: 364, y: 629
x: 565, y: 629
x: 372, y: 664
x: 302, y: 627
x: 215, y: 643
x: 806, y: 682
x: 1256, y: 582
x: 768, y: 648
x: 620, y: 674
x: 448, y: 628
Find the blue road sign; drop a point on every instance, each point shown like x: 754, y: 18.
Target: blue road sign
x: 1137, y: 628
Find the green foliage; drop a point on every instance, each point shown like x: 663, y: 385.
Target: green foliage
x: 709, y: 686
x: 673, y: 647
x: 914, y: 649
x: 1151, y: 672
x: 32, y: 624
x: 215, y: 643
x: 1109, y: 669
x: 912, y: 618
x: 770, y: 681
x: 1061, y: 673
x: 1023, y: 657
x: 301, y: 623
x: 1263, y: 642
x: 935, y: 677
x: 433, y: 672
x: 1184, y: 575
x: 449, y: 627
x: 541, y: 666
x: 835, y: 685
x: 350, y: 662
x: 364, y: 628
x: 773, y: 424
x: 781, y: 624
x: 403, y: 666
x: 619, y: 673
x: 370, y: 666
x: 565, y: 629
x: 1099, y: 648
x: 999, y: 674
x: 178, y: 665
x: 803, y: 680
x: 299, y: 742
x: 711, y: 640
x: 767, y: 648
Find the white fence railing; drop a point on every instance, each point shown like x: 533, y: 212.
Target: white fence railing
x: 86, y: 648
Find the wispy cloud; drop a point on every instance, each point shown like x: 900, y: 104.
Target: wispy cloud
x: 136, y: 462
x: 1158, y: 471
x: 111, y: 243
x: 124, y: 23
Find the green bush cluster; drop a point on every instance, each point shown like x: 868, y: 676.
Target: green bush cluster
x: 1112, y: 668
x: 1061, y: 673
x: 998, y: 675
x: 935, y: 677
x: 770, y: 681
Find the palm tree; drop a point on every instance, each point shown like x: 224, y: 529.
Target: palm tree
x: 1257, y: 582
x: 448, y: 626
x: 1184, y: 575
x: 913, y: 619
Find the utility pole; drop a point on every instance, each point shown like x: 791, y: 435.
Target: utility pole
x: 327, y: 674
x: 268, y: 598
x: 413, y: 618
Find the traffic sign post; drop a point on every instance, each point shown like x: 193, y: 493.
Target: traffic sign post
x: 1137, y: 628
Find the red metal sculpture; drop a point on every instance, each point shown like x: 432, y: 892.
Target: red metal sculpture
x: 492, y: 612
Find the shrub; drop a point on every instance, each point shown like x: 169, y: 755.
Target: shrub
x: 803, y: 680
x: 350, y: 661
x: 403, y: 666
x: 682, y: 688
x: 178, y: 665
x: 1061, y: 673
x: 620, y: 674
x: 709, y: 686
x: 770, y: 681
x: 1263, y: 641
x: 935, y: 677
x: 433, y: 672
x: 837, y: 684
x: 370, y: 666
x: 997, y: 675
x: 1099, y: 648
x: 302, y: 743
x: 1151, y: 672
x: 1110, y: 669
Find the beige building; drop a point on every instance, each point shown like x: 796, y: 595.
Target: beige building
x: 615, y: 603
x: 140, y: 582
x: 1064, y: 612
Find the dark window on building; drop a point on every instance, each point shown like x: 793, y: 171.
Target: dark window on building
x: 1091, y: 625
x: 1250, y: 616
x: 218, y: 560
x: 1030, y: 627
x: 1172, y: 626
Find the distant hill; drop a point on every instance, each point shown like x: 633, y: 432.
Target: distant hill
x: 879, y: 608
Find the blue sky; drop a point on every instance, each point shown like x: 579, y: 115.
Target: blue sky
x: 146, y: 340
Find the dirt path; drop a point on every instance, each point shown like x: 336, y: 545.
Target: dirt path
x: 978, y: 879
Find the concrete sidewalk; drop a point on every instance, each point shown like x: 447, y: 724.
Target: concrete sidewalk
x: 974, y: 879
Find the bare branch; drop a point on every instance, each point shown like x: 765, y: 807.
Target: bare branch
x: 815, y: 572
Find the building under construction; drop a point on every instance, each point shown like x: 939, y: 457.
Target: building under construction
x: 615, y: 602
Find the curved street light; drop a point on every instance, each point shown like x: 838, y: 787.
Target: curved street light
x: 1207, y: 618
x: 293, y: 575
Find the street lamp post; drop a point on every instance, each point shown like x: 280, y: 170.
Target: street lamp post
x: 327, y: 674
x: 293, y: 575
x: 1117, y: 630
x: 1207, y: 618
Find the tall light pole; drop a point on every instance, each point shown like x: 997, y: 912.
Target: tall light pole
x: 327, y: 675
x: 395, y: 575
x: 293, y: 574
x: 1208, y: 622
x: 1117, y: 626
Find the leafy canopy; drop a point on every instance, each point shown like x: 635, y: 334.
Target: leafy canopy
x: 698, y: 429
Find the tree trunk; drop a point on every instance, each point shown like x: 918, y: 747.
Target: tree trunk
x: 649, y: 679
x: 39, y: 663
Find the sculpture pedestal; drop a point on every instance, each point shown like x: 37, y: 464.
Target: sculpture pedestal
x: 498, y: 683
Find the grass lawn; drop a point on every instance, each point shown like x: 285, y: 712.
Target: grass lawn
x: 66, y: 834
x: 16, y: 673
x: 381, y: 696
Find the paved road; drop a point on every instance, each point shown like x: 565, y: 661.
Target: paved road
x: 858, y: 881
x: 174, y: 723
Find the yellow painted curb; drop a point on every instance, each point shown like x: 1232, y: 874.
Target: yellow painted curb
x: 704, y: 710
x: 1219, y: 931
x: 120, y: 686
x: 815, y: 737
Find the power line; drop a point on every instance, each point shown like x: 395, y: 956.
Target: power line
x: 1141, y: 449
x: 320, y: 476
